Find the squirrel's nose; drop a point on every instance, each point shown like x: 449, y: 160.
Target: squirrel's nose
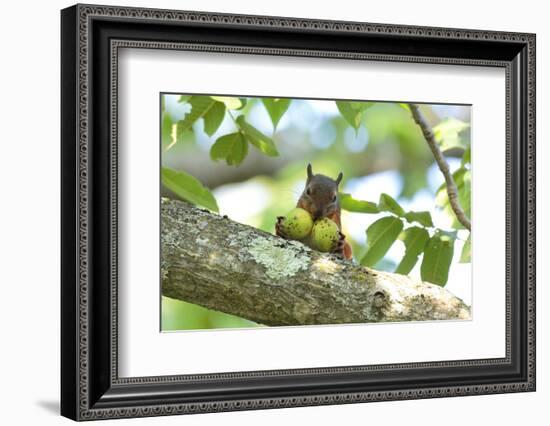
x: 318, y: 214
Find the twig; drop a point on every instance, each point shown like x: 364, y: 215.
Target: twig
x: 452, y: 190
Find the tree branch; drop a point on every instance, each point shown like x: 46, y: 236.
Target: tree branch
x: 452, y: 190
x: 220, y: 264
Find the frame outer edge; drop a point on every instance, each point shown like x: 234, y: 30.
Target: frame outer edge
x: 69, y: 288
x: 81, y: 337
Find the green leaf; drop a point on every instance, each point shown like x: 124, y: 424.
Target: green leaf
x: 465, y: 193
x: 256, y: 138
x: 441, y: 196
x: 361, y: 106
x: 166, y: 132
x: 183, y: 98
x: 353, y: 111
x: 405, y: 107
x: 388, y: 204
x: 347, y: 202
x: 467, y: 156
x: 213, y: 118
x: 380, y: 236
x: 415, y: 240
x: 232, y: 148
x: 276, y: 107
x: 447, y: 134
x: 230, y: 102
x: 188, y: 188
x: 243, y: 103
x: 438, y: 255
x: 200, y: 105
x: 466, y: 255
x: 424, y: 218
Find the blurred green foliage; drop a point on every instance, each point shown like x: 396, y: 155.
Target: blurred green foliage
x: 179, y: 315
x: 246, y: 157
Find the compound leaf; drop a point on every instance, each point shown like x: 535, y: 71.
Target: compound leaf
x: 257, y: 138
x: 424, y: 218
x: 213, y: 118
x: 380, y: 237
x: 415, y: 239
x: 436, y: 262
x: 232, y: 148
x: 388, y: 204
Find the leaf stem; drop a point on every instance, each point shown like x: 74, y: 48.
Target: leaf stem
x: 234, y: 121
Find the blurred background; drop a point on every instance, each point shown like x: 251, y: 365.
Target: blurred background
x: 383, y: 152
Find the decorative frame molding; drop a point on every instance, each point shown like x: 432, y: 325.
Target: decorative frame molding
x: 91, y: 37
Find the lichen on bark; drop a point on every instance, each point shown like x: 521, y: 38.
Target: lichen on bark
x: 279, y: 261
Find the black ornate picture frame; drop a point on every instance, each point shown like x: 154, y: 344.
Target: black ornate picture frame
x: 91, y: 36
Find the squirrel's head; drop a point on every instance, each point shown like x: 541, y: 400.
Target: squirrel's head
x: 320, y: 196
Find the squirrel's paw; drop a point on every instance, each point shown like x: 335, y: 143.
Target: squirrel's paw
x: 339, y: 246
x: 279, y: 228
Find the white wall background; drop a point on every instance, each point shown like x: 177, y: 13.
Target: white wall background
x: 29, y: 211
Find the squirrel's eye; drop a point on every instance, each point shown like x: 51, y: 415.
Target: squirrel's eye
x: 334, y: 199
x: 308, y: 192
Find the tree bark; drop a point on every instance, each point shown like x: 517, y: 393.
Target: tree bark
x: 223, y: 265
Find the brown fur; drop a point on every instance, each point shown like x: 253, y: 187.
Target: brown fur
x: 320, y: 199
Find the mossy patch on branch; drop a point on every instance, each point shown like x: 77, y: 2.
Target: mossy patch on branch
x: 279, y: 261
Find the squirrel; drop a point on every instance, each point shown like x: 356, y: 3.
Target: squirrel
x: 320, y: 198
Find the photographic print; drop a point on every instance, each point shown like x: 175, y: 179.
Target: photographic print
x: 293, y: 212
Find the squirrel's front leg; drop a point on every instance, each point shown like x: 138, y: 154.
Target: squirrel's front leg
x: 279, y: 231
x: 342, y: 248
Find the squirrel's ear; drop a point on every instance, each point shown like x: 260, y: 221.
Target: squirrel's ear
x: 309, y: 171
x: 339, y: 178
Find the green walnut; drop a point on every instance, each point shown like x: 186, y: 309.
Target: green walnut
x: 324, y: 235
x: 297, y: 224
